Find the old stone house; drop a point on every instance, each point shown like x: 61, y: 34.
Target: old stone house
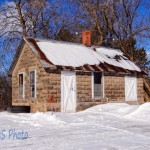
x: 68, y: 77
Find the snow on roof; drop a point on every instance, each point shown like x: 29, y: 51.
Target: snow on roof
x: 67, y: 54
x: 78, y: 55
x: 116, y: 58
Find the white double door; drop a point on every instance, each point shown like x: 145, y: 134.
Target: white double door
x: 68, y: 91
x: 130, y: 88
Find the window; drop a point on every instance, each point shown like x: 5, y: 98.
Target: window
x: 97, y: 85
x: 32, y: 84
x: 21, y: 85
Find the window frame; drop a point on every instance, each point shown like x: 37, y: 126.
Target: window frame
x: 102, y: 85
x: 23, y: 96
x: 34, y: 84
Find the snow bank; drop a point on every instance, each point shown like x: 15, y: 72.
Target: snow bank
x: 123, y: 110
x: 142, y: 112
x: 109, y: 126
x: 110, y: 107
x: 46, y: 117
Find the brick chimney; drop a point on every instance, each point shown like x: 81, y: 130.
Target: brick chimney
x: 86, y: 38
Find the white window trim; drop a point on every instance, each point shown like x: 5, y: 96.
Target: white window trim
x: 23, y: 97
x: 102, y: 87
x: 35, y: 83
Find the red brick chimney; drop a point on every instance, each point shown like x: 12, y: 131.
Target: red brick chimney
x: 86, y: 38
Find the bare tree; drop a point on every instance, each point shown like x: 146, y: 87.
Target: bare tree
x: 114, y: 18
x: 26, y: 18
x: 115, y: 23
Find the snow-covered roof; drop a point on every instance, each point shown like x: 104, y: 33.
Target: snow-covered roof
x: 74, y: 55
x: 66, y: 54
x: 116, y: 58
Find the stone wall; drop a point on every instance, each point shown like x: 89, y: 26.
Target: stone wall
x: 84, y: 87
x: 115, y: 89
x: 140, y: 90
x: 54, y: 93
x: 84, y: 92
x: 49, y: 86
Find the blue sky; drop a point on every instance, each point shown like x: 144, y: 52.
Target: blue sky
x: 143, y: 11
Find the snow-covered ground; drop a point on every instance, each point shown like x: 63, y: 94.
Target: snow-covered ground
x: 104, y: 127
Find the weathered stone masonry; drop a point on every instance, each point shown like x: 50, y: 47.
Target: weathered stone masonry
x: 114, y: 88
x: 49, y: 86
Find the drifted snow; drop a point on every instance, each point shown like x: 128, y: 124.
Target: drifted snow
x: 76, y: 55
x: 103, y: 127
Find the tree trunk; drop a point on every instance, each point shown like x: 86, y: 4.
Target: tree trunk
x: 22, y: 21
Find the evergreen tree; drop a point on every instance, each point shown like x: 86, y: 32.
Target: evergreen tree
x: 65, y: 35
